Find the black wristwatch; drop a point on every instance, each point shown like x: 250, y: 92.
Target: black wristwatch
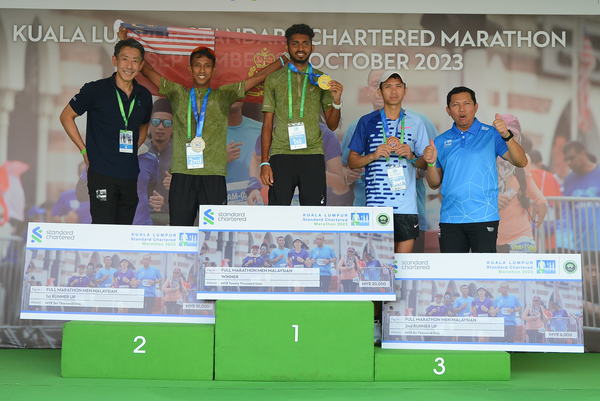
x: 509, y: 137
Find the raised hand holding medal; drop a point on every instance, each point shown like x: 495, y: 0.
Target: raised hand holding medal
x: 394, y: 143
x: 324, y: 82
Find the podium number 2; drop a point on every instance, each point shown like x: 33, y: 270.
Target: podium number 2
x: 440, y: 363
x: 296, y: 328
x: 138, y: 349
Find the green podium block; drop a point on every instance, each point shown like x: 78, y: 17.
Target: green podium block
x: 138, y: 350
x: 294, y: 341
x: 407, y: 365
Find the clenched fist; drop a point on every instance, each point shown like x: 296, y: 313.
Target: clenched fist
x: 430, y: 153
x: 500, y: 126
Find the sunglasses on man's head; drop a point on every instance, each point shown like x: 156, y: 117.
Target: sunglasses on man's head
x: 155, y: 122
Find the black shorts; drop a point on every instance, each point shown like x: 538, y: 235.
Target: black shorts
x: 406, y: 227
x: 307, y: 172
x: 469, y: 237
x: 187, y: 192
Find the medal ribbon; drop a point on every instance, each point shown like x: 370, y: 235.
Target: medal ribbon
x: 125, y: 117
x: 311, y: 75
x: 290, y: 101
x: 385, y: 132
x: 193, y: 105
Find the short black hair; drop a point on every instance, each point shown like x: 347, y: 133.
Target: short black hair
x: 162, y: 105
x: 129, y: 42
x: 203, y: 51
x: 574, y: 145
x: 301, y: 29
x: 578, y: 147
x: 460, y: 89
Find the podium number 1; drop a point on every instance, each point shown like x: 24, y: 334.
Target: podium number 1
x: 295, y: 326
x: 138, y: 349
x: 440, y: 362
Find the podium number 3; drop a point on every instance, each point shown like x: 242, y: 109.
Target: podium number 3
x: 138, y: 349
x: 440, y: 363
x: 296, y: 329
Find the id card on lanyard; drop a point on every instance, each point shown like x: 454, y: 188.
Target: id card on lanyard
x: 194, y: 150
x: 296, y: 130
x: 125, y: 135
x: 395, y: 171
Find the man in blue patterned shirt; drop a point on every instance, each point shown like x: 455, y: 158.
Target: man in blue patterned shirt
x: 389, y: 143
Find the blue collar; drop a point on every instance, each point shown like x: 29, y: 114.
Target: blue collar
x: 473, y: 129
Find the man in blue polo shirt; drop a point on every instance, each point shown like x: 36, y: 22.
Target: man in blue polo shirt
x: 390, y: 153
x: 462, y: 305
x: 148, y: 278
x: 507, y: 306
x: 463, y: 161
x: 104, y: 276
x: 323, y: 257
x: 118, y: 110
x: 279, y: 255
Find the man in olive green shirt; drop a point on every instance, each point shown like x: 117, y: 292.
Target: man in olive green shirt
x: 198, y: 165
x: 291, y: 141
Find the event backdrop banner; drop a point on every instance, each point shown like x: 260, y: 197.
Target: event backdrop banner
x: 541, y: 72
x: 500, y: 302
x: 317, y: 253
x: 112, y: 273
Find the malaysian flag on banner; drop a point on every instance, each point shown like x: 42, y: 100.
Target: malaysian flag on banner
x: 239, y: 55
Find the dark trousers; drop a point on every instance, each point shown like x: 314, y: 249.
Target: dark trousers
x: 469, y: 237
x: 188, y: 192
x: 112, y: 200
x: 307, y: 172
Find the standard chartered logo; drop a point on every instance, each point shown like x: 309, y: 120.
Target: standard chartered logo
x: 209, y: 217
x: 36, y: 235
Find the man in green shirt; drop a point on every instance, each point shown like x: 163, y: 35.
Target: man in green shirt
x: 291, y: 141
x: 199, y: 161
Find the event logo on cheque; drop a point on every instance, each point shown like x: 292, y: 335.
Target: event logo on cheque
x: 545, y: 266
x: 359, y: 219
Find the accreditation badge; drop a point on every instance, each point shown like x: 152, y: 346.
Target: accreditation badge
x: 396, y: 177
x: 194, y: 159
x: 125, y: 141
x: 198, y: 144
x: 297, y: 136
x: 324, y: 81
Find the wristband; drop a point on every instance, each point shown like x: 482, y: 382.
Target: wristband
x: 431, y: 164
x: 83, y: 151
x: 336, y: 106
x: 281, y: 61
x: 264, y: 164
x: 509, y: 137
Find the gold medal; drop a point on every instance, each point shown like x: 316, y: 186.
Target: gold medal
x: 197, y: 144
x: 323, y: 82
